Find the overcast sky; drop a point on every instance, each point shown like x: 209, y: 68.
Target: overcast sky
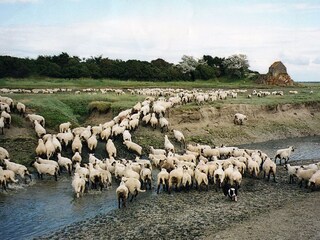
x: 266, y: 31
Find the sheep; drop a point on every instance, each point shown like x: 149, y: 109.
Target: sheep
x: 146, y: 177
x: 117, y: 130
x: 111, y: 149
x: 201, y: 178
x: 157, y: 160
x: 41, y: 148
x: 291, y: 171
x: 164, y: 124
x: 179, y: 137
x: 106, y: 133
x: 284, y: 154
x: 78, y: 184
x: 65, y: 162
x: 228, y: 172
x: 119, y: 170
x: 3, y: 153
x: 314, y: 181
x: 39, y: 129
x: 239, y: 119
x: 86, y: 134
x: 65, y: 137
x: 78, y: 130
x: 235, y: 177
x: 253, y: 167
x: 96, y: 130
x: 56, y: 143
x: 175, y: 177
x: 21, y: 108
x: 212, y: 167
x: 210, y: 152
x: 122, y: 194
x: 76, y: 158
x: 82, y: 171
x: 39, y: 118
x: 7, y: 176
x: 129, y: 173
x: 43, y: 168
x: 6, y: 118
x: 2, y: 125
x: 126, y: 136
x: 50, y: 148
x: 94, y: 177
x: 18, y: 169
x: 162, y: 179
x: 153, y: 121
x: 186, y: 178
x: 133, y: 124
x: 304, y: 175
x: 105, y: 176
x: 133, y: 146
x: 157, y: 151
x: 218, y: 177
x: 92, y: 142
x: 4, y: 107
x: 269, y: 167
x: 63, y: 127
x: 3, y: 180
x: 76, y: 144
x: 133, y: 185
x: 168, y: 145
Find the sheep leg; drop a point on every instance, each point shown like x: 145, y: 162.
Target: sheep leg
x: 119, y: 202
x: 274, y: 177
x: 269, y: 176
x: 158, y: 188
x: 41, y: 176
x: 55, y: 176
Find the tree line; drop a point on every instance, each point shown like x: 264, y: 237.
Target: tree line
x: 73, y: 67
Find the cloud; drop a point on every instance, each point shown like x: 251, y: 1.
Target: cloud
x: 316, y: 60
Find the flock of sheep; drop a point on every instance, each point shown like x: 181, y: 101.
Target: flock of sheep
x: 197, y: 166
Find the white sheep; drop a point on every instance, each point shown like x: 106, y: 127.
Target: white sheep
x: 65, y: 162
x: 253, y: 167
x: 21, y: 108
x: 157, y: 151
x: 133, y: 124
x: 6, y: 118
x: 201, y: 178
x: 106, y: 133
x: 18, y: 169
x: 314, y: 181
x: 119, y: 170
x: 4, y: 153
x: 133, y: 185
x: 284, y: 154
x: 218, y: 177
x: 49, y: 169
x: 291, y: 171
x: 186, y: 178
x: 164, y: 124
x: 122, y: 194
x: 175, y: 178
x: 235, y: 177
x: 92, y: 142
x: 56, y: 143
x: 2, y: 125
x: 239, y: 119
x: 95, y: 177
x: 86, y: 134
x: 167, y: 144
x: 146, y: 177
x: 33, y: 117
x: 153, y: 120
x: 210, y: 153
x: 41, y: 148
x: 134, y: 147
x: 7, y: 176
x: 82, y: 171
x: 126, y: 136
x: 76, y: 158
x: 63, y: 127
x: 78, y: 184
x: 76, y: 144
x: 111, y: 149
x: 179, y: 137
x: 269, y: 167
x: 304, y: 175
x: 162, y: 179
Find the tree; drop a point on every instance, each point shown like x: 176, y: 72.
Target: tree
x: 188, y: 65
x: 236, y: 65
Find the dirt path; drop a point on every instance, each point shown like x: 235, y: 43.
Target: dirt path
x: 296, y: 220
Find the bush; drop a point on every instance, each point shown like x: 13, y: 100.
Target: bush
x: 100, y: 106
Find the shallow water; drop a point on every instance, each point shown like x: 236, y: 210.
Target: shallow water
x: 45, y: 206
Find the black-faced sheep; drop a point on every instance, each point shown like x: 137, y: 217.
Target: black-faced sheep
x: 133, y: 185
x: 284, y: 154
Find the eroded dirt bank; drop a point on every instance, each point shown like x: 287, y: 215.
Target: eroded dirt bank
x: 215, y: 124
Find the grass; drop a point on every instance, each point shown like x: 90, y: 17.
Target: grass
x: 110, y: 83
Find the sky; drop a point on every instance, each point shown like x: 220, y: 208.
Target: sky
x: 265, y: 31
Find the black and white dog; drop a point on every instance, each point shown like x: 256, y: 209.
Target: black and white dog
x: 231, y: 192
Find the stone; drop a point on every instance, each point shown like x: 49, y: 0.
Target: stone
x: 277, y: 75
